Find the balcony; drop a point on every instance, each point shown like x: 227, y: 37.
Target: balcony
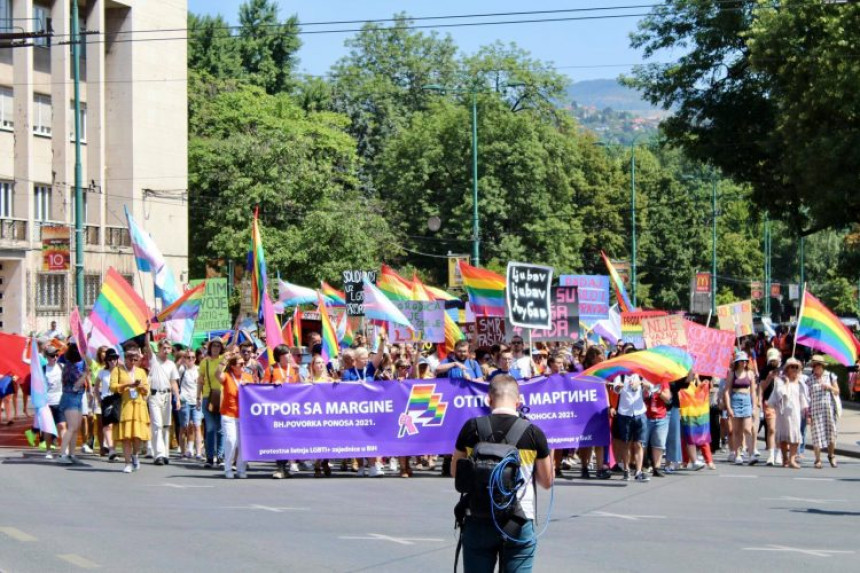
x: 13, y: 230
x: 117, y: 237
x: 92, y: 235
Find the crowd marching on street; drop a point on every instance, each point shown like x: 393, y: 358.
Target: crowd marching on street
x: 167, y: 402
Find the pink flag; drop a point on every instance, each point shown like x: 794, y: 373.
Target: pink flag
x: 78, y: 331
x: 39, y: 393
x: 270, y: 323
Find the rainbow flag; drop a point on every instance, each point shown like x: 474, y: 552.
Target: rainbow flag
x: 440, y: 294
x: 377, y: 306
x: 819, y: 328
x: 695, y: 415
x: 333, y: 296
x: 344, y: 331
x: 119, y: 313
x: 297, y: 327
x: 329, y: 338
x: 393, y: 285
x: 257, y: 266
x: 656, y: 365
x: 486, y: 290
x: 39, y: 393
x: 185, y: 307
x: 624, y: 303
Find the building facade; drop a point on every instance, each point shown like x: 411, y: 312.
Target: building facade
x: 134, y: 149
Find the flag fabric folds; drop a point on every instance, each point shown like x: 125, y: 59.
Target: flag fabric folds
x: 270, y: 324
x: 329, y: 338
x: 119, y: 313
x: 147, y: 255
x: 393, y: 285
x: 39, y: 392
x: 377, y: 306
x: 292, y: 294
x: 624, y: 303
x: 333, y: 296
x: 486, y: 290
x: 77, y: 329
x: 819, y: 328
x: 656, y: 365
x: 257, y: 266
x: 186, y: 306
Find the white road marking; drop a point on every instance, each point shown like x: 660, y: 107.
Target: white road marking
x: 815, y: 479
x: 802, y: 499
x: 17, y: 534
x: 398, y: 540
x: 813, y: 552
x: 78, y: 561
x: 269, y: 508
x: 179, y: 486
x: 622, y: 516
x: 742, y: 476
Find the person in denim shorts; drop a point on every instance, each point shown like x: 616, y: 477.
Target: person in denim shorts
x: 658, y: 396
x: 628, y: 429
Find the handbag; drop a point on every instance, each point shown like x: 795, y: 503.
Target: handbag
x: 111, y: 409
x: 214, y: 395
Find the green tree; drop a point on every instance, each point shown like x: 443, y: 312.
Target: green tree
x: 268, y: 47
x: 212, y: 48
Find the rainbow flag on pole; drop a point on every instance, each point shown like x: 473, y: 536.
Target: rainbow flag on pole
x: 624, y: 303
x: 329, y: 338
x: 185, y: 307
x: 819, y: 328
x: 486, y: 290
x: 393, y: 285
x: 656, y: 365
x: 333, y: 296
x: 257, y: 266
x: 695, y: 415
x: 119, y: 313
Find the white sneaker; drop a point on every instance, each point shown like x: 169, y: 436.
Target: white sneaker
x: 49, y: 456
x: 697, y: 465
x: 731, y: 458
x: 770, y: 459
x: 135, y: 462
x: 376, y: 470
x: 128, y: 469
x: 85, y: 449
x: 739, y: 461
x: 229, y: 474
x: 294, y: 467
x: 65, y: 460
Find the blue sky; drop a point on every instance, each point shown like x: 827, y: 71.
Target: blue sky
x: 581, y: 50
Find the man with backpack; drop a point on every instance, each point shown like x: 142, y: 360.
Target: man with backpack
x: 510, y: 455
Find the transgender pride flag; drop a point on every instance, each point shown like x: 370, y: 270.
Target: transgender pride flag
x: 39, y: 393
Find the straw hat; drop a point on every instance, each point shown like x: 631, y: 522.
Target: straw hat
x: 817, y: 359
x: 793, y: 362
x: 774, y: 354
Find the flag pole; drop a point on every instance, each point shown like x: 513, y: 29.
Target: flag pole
x: 799, y: 316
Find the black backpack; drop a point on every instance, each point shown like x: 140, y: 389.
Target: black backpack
x: 474, y: 473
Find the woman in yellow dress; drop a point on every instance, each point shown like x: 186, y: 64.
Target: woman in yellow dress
x: 130, y: 381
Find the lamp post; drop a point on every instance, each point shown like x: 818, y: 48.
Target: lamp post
x: 713, y: 179
x: 472, y: 91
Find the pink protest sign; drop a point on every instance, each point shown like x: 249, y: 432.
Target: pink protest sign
x: 711, y: 349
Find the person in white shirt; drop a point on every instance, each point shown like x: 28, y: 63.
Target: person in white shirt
x: 522, y: 361
x: 54, y: 381
x: 163, y: 381
x: 629, y: 425
x: 190, y: 416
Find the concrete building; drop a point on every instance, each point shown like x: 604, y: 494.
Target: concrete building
x: 134, y: 125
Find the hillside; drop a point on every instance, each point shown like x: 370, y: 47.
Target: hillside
x: 609, y: 93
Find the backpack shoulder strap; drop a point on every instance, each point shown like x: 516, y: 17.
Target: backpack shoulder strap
x: 485, y: 430
x: 516, y: 432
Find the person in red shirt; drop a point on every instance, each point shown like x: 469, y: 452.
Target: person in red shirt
x: 657, y: 426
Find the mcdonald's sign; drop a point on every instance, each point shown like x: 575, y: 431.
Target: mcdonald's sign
x: 703, y: 282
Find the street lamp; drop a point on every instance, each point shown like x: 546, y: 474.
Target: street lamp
x: 713, y: 178
x: 473, y: 91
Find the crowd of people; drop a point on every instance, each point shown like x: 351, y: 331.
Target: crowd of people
x: 164, y: 401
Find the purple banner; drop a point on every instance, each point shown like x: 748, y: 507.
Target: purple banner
x: 414, y: 417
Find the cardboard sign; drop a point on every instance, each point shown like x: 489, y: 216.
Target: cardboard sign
x: 664, y: 330
x: 527, y: 295
x: 565, y: 318
x: 353, y: 288
x: 736, y: 317
x: 631, y: 325
x: 593, y: 295
x: 489, y: 330
x: 427, y: 318
x: 710, y: 348
x: 214, y: 308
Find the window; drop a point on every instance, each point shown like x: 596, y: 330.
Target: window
x: 92, y: 286
x: 117, y: 237
x: 82, y: 25
x: 51, y: 293
x: 5, y: 15
x: 42, y: 21
x: 42, y: 114
x: 83, y: 122
x: 42, y: 195
x: 7, y: 110
x: 6, y: 199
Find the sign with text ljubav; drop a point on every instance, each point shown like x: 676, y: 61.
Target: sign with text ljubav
x: 592, y: 294
x: 664, y: 330
x: 353, y: 288
x: 527, y: 295
x: 565, y: 318
x: 427, y: 319
x: 736, y: 317
x: 214, y: 308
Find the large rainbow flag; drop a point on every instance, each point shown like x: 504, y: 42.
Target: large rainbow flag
x: 393, y: 285
x: 119, y: 313
x: 333, y: 296
x: 695, y: 415
x: 486, y: 290
x: 656, y: 365
x: 257, y: 266
x: 329, y: 338
x: 624, y: 303
x: 819, y: 328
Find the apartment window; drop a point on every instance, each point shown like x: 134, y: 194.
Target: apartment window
x: 5, y: 15
x: 6, y: 199
x: 42, y: 19
x: 7, y: 110
x: 51, y: 293
x: 82, y: 25
x: 83, y: 122
x: 92, y: 286
x: 42, y: 114
x: 42, y: 195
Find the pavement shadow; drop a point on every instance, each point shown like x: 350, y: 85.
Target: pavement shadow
x: 589, y: 483
x: 833, y: 513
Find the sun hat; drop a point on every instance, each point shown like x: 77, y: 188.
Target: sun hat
x: 740, y: 357
x: 773, y: 354
x: 817, y: 359
x: 793, y: 362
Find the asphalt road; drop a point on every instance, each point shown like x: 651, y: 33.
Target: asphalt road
x: 183, y: 518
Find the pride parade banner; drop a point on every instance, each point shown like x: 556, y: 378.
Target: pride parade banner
x: 414, y: 417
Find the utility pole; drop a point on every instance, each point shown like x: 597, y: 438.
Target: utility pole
x: 633, y: 221
x: 79, y: 194
x: 802, y: 261
x: 767, y: 276
x: 476, y: 228
x: 714, y: 245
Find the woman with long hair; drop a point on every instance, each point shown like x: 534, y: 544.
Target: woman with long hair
x: 741, y: 402
x: 102, y: 391
x: 75, y: 382
x: 593, y: 355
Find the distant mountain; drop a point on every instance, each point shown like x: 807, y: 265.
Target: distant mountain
x: 609, y: 93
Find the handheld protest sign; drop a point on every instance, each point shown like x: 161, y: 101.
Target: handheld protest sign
x: 353, y: 288
x: 527, y: 295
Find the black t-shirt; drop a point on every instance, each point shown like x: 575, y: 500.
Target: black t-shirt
x: 763, y: 374
x: 532, y: 445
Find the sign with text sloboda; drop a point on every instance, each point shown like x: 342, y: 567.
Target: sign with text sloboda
x: 527, y: 295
